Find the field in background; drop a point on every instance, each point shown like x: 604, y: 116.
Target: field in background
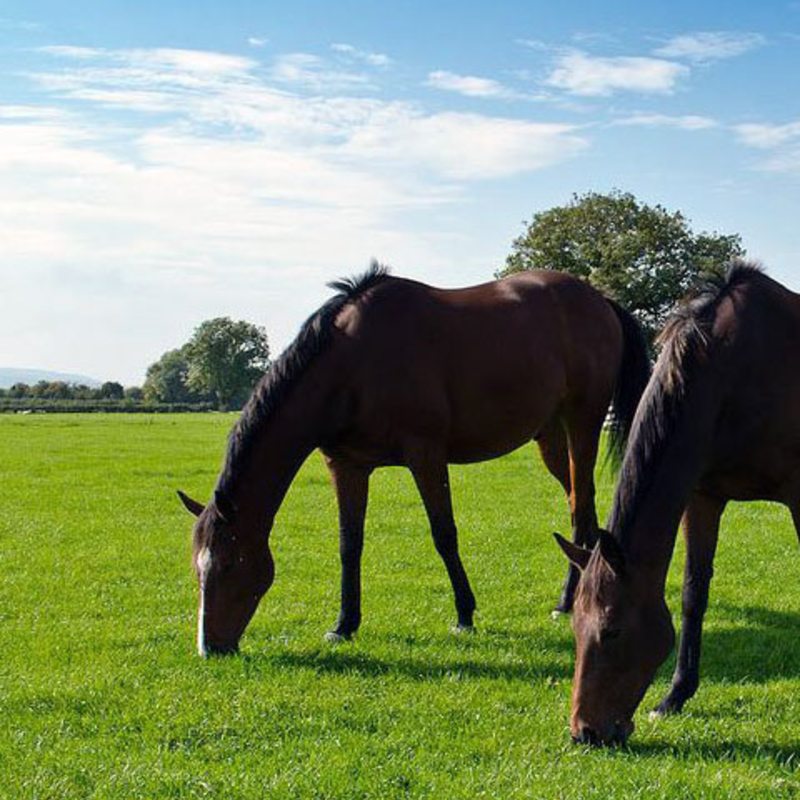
x: 101, y: 694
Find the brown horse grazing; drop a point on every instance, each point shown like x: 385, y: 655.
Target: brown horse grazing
x: 719, y: 421
x: 394, y: 372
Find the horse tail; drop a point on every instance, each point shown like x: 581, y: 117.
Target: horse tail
x: 632, y: 378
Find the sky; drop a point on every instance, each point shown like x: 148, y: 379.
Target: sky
x: 164, y: 163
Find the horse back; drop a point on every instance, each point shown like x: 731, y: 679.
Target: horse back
x: 483, y: 368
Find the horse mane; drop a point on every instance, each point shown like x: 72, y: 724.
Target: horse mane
x: 685, y: 342
x: 283, y: 374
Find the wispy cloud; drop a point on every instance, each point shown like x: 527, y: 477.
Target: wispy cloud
x: 312, y: 72
x: 579, y: 73
x: 686, y: 122
x: 351, y: 52
x: 705, y: 46
x: 782, y: 142
x: 474, y: 86
x: 257, y: 41
x: 533, y: 44
x: 180, y: 171
x: 6, y: 23
x: 172, y: 59
x: 768, y: 136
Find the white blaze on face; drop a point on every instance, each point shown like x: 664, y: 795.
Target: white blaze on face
x: 203, y: 567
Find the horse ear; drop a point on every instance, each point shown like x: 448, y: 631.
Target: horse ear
x: 612, y: 553
x: 191, y: 505
x: 578, y: 555
x: 224, y: 506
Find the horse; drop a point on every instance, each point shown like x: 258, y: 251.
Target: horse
x: 719, y: 421
x: 391, y: 371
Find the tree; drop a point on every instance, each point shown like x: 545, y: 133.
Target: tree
x: 226, y: 358
x: 111, y: 390
x: 19, y: 390
x: 644, y: 257
x: 166, y: 379
x: 134, y: 393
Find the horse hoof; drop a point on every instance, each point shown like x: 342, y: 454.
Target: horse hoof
x: 462, y: 628
x: 336, y: 638
x: 665, y: 709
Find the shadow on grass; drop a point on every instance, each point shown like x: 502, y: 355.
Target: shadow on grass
x: 497, y: 655
x: 760, y: 645
x: 733, y: 750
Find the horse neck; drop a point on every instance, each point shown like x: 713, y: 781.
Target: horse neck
x: 658, y: 475
x: 282, y: 443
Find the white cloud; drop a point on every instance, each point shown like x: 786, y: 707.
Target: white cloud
x: 312, y: 72
x: 29, y: 112
x: 767, y: 136
x: 195, y: 62
x: 705, y: 46
x: 469, y: 146
x: 782, y: 142
x: 373, y: 59
x: 70, y: 51
x: 593, y: 76
x: 257, y: 41
x: 533, y: 44
x: 687, y: 122
x: 468, y: 85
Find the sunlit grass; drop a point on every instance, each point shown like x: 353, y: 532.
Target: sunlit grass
x: 101, y: 694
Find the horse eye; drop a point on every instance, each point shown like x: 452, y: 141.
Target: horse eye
x: 609, y: 633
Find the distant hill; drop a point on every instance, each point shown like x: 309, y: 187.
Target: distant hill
x: 11, y: 375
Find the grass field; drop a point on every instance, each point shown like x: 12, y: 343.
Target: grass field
x: 102, y: 695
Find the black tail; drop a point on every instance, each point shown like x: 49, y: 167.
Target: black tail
x: 634, y: 373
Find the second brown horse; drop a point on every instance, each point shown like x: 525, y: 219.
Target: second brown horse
x: 394, y: 372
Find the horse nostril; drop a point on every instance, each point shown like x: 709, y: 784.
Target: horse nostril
x: 586, y: 736
x: 221, y: 650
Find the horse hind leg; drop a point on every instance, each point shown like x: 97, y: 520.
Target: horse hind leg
x: 582, y: 436
x: 552, y: 443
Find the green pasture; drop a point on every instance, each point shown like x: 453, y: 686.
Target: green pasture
x: 102, y: 695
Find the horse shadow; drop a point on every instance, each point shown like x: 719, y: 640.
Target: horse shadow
x: 489, y: 654
x: 726, y: 749
x: 753, y: 645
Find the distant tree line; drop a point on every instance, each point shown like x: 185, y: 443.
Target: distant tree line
x: 216, y: 369
x: 59, y: 390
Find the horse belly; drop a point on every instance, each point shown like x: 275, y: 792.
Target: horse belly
x: 492, y: 419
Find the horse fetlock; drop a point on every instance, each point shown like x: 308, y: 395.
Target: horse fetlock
x: 461, y: 627
x: 337, y: 637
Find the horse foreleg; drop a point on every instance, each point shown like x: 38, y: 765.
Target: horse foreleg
x: 352, y: 486
x: 431, y: 476
x: 700, y: 530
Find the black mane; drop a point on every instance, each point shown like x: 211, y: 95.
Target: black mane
x: 283, y: 373
x: 684, y: 344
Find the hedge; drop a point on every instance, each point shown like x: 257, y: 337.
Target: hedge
x: 19, y: 405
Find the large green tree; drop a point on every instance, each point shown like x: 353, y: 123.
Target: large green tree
x: 226, y: 358
x: 645, y: 257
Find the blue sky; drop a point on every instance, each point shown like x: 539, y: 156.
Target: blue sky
x: 162, y: 163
